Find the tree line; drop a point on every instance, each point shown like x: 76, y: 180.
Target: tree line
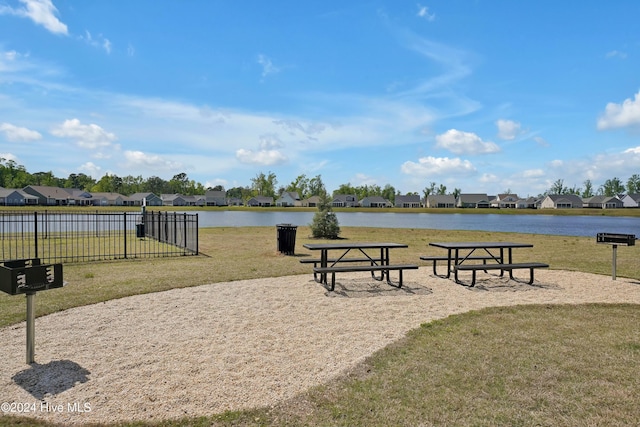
x: 610, y: 188
x: 13, y: 175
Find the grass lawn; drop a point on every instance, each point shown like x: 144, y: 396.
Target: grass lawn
x: 530, y: 365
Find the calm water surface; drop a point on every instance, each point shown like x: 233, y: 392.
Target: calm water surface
x: 537, y: 224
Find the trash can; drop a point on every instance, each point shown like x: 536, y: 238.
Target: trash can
x: 286, y: 238
x: 140, y: 230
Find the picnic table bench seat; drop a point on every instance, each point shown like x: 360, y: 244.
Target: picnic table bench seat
x: 318, y: 261
x: 354, y: 268
x: 436, y: 258
x: 503, y: 267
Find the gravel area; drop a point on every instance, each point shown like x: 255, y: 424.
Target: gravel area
x: 203, y: 350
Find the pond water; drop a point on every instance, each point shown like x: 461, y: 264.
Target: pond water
x: 522, y: 223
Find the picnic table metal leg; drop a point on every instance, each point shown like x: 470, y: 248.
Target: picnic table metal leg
x: 383, y: 261
x: 511, y: 262
x: 390, y: 282
x: 473, y: 278
x: 323, y: 264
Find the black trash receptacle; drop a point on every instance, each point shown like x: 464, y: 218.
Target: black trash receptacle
x: 139, y: 230
x: 286, y: 238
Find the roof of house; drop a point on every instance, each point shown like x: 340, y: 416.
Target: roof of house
x: 5, y: 192
x: 374, y: 199
x: 345, y: 197
x: 140, y: 196
x: 411, y: 198
x: 58, y: 193
x: 216, y: 193
x: 262, y: 198
x: 108, y: 196
x: 449, y: 198
x: 292, y: 194
x: 600, y: 199
x: 473, y: 197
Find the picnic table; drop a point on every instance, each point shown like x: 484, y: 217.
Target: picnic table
x: 374, y: 257
x: 458, y: 253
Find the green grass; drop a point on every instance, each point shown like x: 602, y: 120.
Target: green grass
x: 533, y: 365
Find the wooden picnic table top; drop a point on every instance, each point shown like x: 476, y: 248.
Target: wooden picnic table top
x: 354, y: 245
x: 480, y: 245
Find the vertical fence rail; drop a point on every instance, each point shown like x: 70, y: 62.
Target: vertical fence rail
x: 64, y: 236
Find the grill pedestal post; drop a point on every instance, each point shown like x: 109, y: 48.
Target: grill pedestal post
x: 31, y: 327
x: 613, y: 269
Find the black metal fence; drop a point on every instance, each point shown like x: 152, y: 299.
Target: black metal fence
x: 59, y: 236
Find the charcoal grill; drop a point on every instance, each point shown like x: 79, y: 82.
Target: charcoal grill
x: 29, y: 276
x: 615, y: 240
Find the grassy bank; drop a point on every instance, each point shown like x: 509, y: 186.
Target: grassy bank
x: 547, y: 365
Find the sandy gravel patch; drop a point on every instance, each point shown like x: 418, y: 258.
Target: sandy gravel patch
x: 203, y: 350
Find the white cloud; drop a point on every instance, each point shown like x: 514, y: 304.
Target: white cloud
x: 541, y: 141
x: 90, y: 169
x: 215, y: 182
x: 363, y: 179
x: 432, y: 166
x: 489, y: 178
x: 139, y: 159
x: 423, y: 12
x: 267, y: 65
x: 106, y: 44
x: 99, y: 42
x: 8, y: 156
x: 42, y: 12
x: 89, y: 136
x: 616, y: 54
x: 261, y: 157
x: 267, y: 155
x: 460, y: 142
x: 14, y: 133
x: 621, y: 115
x: 508, y: 129
x: 269, y: 142
x: 533, y: 173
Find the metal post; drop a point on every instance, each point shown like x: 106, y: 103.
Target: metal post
x: 197, y: 241
x: 35, y: 233
x: 124, y: 232
x: 31, y: 327
x: 613, y: 270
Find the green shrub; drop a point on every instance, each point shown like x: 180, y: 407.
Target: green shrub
x: 325, y: 222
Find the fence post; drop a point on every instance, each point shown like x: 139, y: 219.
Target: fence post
x: 175, y: 228
x: 35, y: 233
x: 184, y: 233
x: 124, y: 232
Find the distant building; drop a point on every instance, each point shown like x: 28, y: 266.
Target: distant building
x: 408, y: 201
x: 289, y: 199
x: 479, y: 200
x: 441, y: 201
x: 216, y: 198
x: 260, y: 201
x: 344, y: 201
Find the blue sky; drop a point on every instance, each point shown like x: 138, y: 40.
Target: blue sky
x: 483, y: 96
